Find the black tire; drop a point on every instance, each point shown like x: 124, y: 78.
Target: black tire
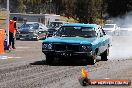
x: 49, y: 59
x: 17, y: 38
x: 104, y: 55
x: 92, y: 59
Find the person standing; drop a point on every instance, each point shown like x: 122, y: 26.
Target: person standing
x: 12, y: 33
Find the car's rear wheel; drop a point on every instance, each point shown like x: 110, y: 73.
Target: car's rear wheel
x: 104, y: 55
x: 49, y: 59
x: 17, y: 38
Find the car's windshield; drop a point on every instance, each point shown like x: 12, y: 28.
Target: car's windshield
x: 35, y: 26
x: 76, y: 31
x: 108, y: 26
x: 55, y: 24
x: 26, y: 26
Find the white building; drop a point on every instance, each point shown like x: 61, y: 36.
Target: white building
x: 43, y: 18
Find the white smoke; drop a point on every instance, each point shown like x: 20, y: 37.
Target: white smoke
x: 122, y: 45
x: 123, y: 20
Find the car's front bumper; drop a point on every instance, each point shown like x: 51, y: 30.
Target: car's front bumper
x: 27, y: 36
x: 66, y: 53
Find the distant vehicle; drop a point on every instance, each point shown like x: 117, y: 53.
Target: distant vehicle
x: 125, y: 30
x: 111, y: 29
x: 32, y: 31
x: 54, y: 26
x: 84, y: 41
x: 51, y: 32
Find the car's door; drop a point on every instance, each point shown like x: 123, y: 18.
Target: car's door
x: 105, y: 40
x: 102, y: 41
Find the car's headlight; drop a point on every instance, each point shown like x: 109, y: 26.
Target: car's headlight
x: 44, y: 46
x: 50, y: 46
x: 86, y: 48
x: 47, y: 46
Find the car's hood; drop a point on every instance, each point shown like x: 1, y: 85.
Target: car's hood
x: 73, y: 40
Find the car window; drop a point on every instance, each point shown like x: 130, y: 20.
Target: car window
x: 26, y: 25
x: 55, y: 24
x: 35, y: 26
x: 76, y: 31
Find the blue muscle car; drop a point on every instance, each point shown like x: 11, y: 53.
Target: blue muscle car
x: 77, y: 40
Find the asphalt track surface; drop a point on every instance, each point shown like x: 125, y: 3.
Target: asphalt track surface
x: 26, y: 67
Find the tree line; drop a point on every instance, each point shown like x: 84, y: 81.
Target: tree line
x: 86, y: 11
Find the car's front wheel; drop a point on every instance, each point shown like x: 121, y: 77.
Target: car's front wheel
x: 49, y: 59
x: 92, y: 59
x: 104, y: 55
x: 17, y: 38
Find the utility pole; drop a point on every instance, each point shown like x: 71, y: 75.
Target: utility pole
x: 7, y: 22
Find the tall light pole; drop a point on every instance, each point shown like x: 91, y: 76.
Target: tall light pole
x: 7, y: 22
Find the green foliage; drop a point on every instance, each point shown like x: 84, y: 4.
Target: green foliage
x: 85, y: 11
x: 119, y: 7
x: 21, y: 6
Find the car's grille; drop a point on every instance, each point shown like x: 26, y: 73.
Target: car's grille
x: 22, y: 32
x: 66, y: 47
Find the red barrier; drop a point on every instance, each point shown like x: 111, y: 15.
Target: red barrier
x: 2, y: 37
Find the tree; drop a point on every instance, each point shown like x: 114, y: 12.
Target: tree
x: 21, y: 6
x: 118, y: 7
x: 88, y: 10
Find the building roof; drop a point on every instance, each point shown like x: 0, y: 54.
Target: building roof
x: 27, y: 14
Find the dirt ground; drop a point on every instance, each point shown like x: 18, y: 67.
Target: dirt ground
x: 26, y: 67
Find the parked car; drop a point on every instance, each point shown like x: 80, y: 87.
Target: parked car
x: 85, y: 41
x: 32, y: 30
x: 54, y: 26
x: 51, y: 32
x: 111, y: 29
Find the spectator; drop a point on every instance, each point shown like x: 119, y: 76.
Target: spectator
x: 12, y: 33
